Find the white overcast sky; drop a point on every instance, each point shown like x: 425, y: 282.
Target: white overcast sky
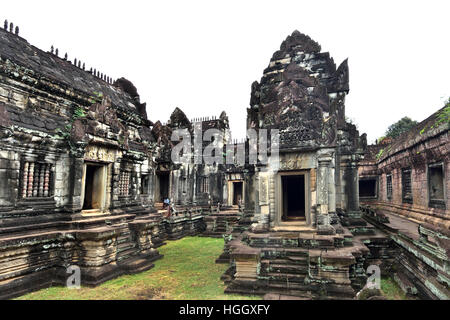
x: 202, y: 56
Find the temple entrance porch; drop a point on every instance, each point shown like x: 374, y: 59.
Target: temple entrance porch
x: 237, y: 192
x: 162, y: 185
x: 294, y: 205
x: 293, y: 198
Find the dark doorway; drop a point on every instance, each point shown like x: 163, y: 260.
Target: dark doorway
x: 237, y: 192
x: 93, y: 187
x: 294, y: 205
x: 163, y: 178
x: 368, y: 188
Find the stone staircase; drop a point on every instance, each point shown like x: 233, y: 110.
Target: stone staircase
x: 234, y: 236
x: 220, y: 223
x: 303, y: 264
x: 285, y: 270
x: 356, y: 224
x: 159, y: 206
x: 126, y: 248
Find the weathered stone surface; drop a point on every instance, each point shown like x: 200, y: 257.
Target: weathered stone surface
x: 85, y: 177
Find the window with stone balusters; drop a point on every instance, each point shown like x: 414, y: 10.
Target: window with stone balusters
x: 436, y: 185
x: 407, y: 195
x: 36, y: 180
x: 124, y: 183
x: 389, y: 186
x: 203, y: 185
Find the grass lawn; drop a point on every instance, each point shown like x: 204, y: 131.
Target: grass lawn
x: 391, y: 290
x: 187, y: 271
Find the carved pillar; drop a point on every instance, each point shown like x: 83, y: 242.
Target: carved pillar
x: 75, y: 184
x: 323, y: 189
x: 332, y: 193
x: 263, y: 199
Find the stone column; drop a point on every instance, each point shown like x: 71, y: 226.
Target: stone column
x: 352, y: 186
x: 249, y: 190
x: 332, y: 193
x: 75, y: 184
x: 263, y: 200
x: 323, y: 190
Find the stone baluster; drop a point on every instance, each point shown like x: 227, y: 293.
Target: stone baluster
x: 30, y: 179
x: 36, y: 180
x: 41, y: 180
x: 25, y: 180
x: 46, y: 180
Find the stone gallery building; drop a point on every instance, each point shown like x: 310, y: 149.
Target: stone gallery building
x: 76, y: 153
x: 409, y: 177
x: 84, y: 175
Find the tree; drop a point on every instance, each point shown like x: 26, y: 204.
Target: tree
x: 400, y: 126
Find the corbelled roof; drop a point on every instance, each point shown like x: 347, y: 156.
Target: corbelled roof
x: 434, y: 125
x: 50, y: 66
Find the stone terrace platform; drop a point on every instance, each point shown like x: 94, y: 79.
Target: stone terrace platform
x: 301, y: 264
x: 222, y: 222
x: 422, y: 253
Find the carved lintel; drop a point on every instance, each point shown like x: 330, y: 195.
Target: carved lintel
x: 96, y: 153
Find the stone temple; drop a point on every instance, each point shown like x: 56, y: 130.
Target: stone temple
x: 84, y: 174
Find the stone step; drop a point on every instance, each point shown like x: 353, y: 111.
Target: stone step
x: 277, y: 296
x: 285, y: 269
x: 298, y: 261
x: 287, y: 281
x: 125, y: 246
x: 362, y: 230
x: 126, y: 253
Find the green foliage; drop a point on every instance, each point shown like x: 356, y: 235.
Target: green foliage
x: 96, y: 97
x: 391, y: 290
x: 121, y: 140
x: 187, y: 272
x: 401, y: 126
x: 442, y: 117
x: 383, y: 151
x: 79, y: 113
x: 379, y: 154
x: 66, y: 135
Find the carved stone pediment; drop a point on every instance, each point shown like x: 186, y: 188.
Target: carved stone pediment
x: 297, y: 161
x: 97, y: 153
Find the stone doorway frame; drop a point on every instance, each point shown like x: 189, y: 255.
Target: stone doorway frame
x: 230, y: 184
x: 104, y: 167
x: 279, y: 199
x: 157, y: 187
